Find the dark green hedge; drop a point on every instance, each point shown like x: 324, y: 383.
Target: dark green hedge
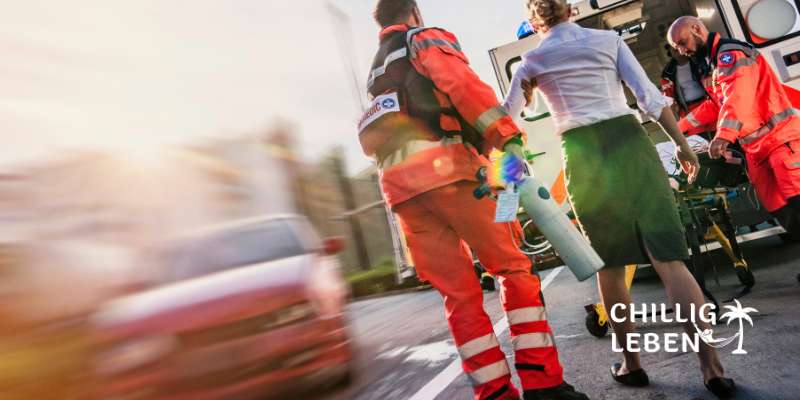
x: 377, y: 280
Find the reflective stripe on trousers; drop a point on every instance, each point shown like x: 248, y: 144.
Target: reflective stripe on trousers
x: 489, y: 373
x: 536, y: 340
x: 525, y: 315
x: 477, y: 346
x: 532, y: 340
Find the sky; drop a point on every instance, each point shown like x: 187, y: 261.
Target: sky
x: 134, y: 76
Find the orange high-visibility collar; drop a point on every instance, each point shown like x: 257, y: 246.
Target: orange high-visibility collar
x: 393, y: 28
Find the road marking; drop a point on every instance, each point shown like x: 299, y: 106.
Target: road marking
x: 550, y: 277
x: 452, y: 371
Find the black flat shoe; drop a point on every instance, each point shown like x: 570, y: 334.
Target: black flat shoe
x: 563, y: 391
x: 724, y: 388
x: 636, y: 378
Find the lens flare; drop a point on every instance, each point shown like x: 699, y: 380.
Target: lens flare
x: 506, y: 169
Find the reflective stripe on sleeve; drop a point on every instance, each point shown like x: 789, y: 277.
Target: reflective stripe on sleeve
x: 748, y: 50
x: 418, y: 45
x: 731, y: 124
x: 692, y: 120
x: 742, y: 62
x: 489, y: 117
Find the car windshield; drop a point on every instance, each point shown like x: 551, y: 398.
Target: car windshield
x: 268, y: 241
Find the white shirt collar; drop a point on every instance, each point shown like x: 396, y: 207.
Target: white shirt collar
x: 562, y: 27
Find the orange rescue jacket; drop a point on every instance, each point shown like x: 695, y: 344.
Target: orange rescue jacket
x: 426, y: 163
x: 750, y: 103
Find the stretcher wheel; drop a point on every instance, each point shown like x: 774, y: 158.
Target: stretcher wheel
x: 593, y: 324
x: 746, y: 276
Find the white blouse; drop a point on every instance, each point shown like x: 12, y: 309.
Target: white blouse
x: 580, y: 73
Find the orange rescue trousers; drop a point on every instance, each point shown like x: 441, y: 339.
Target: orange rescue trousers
x: 777, y: 182
x: 439, y: 224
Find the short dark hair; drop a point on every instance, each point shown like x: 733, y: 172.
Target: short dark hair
x: 390, y: 12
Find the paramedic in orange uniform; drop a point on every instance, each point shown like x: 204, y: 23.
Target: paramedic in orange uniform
x: 753, y: 107
x: 431, y: 122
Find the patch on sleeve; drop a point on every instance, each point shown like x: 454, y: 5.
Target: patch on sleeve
x: 726, y: 60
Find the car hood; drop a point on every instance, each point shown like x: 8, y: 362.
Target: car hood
x: 208, y: 300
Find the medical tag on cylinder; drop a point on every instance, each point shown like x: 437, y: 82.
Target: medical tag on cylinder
x: 507, y: 205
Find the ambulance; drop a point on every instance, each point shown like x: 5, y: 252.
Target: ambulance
x: 772, y: 26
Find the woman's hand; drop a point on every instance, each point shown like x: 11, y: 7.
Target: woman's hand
x: 527, y: 90
x: 688, y: 160
x: 683, y: 152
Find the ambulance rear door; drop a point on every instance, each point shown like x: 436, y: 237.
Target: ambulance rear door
x: 538, y: 124
x: 772, y: 26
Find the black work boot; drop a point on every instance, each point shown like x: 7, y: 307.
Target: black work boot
x: 563, y: 391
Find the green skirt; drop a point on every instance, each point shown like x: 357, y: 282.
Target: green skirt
x: 620, y: 193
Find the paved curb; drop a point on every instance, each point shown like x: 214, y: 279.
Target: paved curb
x: 391, y: 293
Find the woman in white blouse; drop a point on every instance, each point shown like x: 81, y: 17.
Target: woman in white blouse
x: 616, y: 184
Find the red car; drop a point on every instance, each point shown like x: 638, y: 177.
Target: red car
x: 250, y: 310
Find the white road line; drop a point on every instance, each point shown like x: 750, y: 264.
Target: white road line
x: 444, y: 378
x: 550, y: 277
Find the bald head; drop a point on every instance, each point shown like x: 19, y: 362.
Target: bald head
x: 687, y: 35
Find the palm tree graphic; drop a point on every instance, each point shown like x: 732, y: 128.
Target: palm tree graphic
x: 741, y: 314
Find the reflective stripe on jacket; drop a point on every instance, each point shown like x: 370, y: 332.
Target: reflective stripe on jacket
x: 754, y: 107
x: 413, y: 167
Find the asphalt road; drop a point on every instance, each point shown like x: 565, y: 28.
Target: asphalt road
x: 404, y: 348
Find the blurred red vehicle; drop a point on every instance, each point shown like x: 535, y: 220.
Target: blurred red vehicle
x: 252, y: 309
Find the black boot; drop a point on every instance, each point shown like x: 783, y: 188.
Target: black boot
x: 563, y: 391
x: 724, y: 388
x: 788, y: 218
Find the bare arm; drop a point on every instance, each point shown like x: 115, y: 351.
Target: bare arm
x: 688, y: 160
x: 519, y: 93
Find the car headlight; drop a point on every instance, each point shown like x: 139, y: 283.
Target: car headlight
x: 326, y: 288
x: 133, y: 353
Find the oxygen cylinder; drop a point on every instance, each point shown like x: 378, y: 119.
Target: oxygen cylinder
x: 570, y: 244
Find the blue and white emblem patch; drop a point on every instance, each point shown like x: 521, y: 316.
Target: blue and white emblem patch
x: 388, y: 103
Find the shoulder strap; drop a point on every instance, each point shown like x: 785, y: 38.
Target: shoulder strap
x: 394, y: 50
